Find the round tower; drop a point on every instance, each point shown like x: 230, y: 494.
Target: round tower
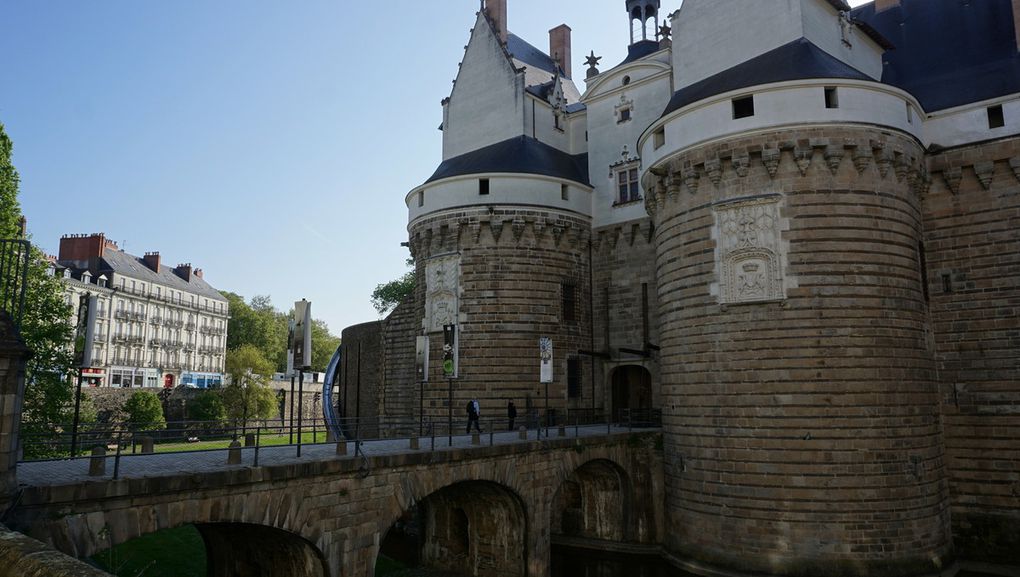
x: 801, y: 418
x: 502, y: 251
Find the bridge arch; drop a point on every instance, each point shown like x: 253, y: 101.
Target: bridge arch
x: 472, y: 527
x: 594, y: 502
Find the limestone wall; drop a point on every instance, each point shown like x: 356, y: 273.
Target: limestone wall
x: 972, y: 219
x: 21, y: 556
x: 801, y: 414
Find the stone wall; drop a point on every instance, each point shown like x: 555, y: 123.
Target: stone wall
x: 362, y: 370
x: 21, y: 556
x: 972, y: 241
x: 400, y: 397
x: 515, y: 265
x: 801, y: 414
x: 12, y: 383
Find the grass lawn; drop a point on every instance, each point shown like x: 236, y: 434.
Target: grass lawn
x: 264, y: 440
x: 176, y: 552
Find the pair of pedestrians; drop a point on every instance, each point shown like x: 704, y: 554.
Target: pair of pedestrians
x: 474, y: 410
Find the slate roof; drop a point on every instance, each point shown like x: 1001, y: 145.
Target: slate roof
x: 528, y: 54
x: 797, y: 60
x: 521, y: 155
x: 639, y: 50
x: 131, y: 266
x: 948, y: 53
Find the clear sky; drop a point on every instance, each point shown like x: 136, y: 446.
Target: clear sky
x: 269, y: 143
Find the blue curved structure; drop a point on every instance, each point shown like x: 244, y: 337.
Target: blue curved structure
x: 330, y: 385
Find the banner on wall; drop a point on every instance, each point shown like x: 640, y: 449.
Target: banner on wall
x: 545, y: 355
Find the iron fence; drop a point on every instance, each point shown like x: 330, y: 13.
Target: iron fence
x: 14, y: 260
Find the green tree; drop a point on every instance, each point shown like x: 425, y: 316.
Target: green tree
x: 145, y: 412
x: 324, y: 344
x: 387, y: 296
x: 207, y: 407
x: 248, y: 395
x: 45, y: 327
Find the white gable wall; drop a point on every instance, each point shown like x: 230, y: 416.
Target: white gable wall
x: 822, y: 27
x: 487, y: 103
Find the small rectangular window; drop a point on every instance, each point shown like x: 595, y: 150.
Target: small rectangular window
x: 743, y: 107
x: 831, y: 97
x: 659, y: 138
x: 624, y: 115
x: 569, y: 302
x: 574, y: 378
x: 483, y: 186
x: 910, y: 113
x: 421, y: 198
x: 564, y: 192
x: 627, y: 185
x: 947, y: 284
x: 996, y: 119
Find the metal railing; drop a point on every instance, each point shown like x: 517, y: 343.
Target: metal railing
x: 14, y: 260
x: 194, y: 441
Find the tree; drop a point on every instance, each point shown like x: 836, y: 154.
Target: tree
x: 45, y: 326
x: 248, y: 395
x: 324, y: 344
x: 145, y: 412
x: 208, y: 407
x: 387, y: 296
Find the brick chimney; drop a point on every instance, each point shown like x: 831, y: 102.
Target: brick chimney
x: 184, y: 271
x: 882, y: 5
x: 559, y: 47
x: 82, y: 249
x: 151, y: 260
x: 496, y: 11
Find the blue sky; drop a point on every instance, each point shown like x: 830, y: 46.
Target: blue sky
x: 269, y: 143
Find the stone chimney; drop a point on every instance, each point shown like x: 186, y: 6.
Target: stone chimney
x: 882, y: 5
x: 152, y: 261
x: 559, y: 47
x: 496, y: 11
x: 184, y: 271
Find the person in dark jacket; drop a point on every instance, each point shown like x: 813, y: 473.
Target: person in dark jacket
x: 511, y: 414
x: 473, y: 410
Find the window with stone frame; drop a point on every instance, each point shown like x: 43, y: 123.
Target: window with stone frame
x: 568, y: 303
x: 627, y: 189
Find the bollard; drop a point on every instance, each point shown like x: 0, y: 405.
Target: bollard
x: 415, y: 445
x: 563, y: 431
x: 522, y: 433
x: 148, y: 445
x: 234, y: 453
x: 97, y: 463
x: 341, y: 448
x: 476, y: 438
x: 249, y: 439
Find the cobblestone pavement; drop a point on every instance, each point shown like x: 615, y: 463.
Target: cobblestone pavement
x: 72, y: 471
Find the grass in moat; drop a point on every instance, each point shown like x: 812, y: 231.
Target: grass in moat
x: 273, y: 440
x: 176, y: 552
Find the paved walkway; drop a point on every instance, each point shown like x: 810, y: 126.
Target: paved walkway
x: 72, y: 471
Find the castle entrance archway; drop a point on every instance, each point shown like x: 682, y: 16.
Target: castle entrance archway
x: 632, y: 389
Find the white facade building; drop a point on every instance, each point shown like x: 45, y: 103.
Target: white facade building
x: 156, y: 326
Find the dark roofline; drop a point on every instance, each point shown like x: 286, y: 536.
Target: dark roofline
x: 875, y: 35
x: 518, y: 155
x: 797, y: 60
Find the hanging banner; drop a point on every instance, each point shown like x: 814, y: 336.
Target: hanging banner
x: 84, y: 337
x: 450, y: 351
x: 302, y: 335
x: 545, y: 354
x: 290, y: 348
x: 421, y: 359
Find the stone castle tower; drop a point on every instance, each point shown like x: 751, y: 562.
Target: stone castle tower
x: 786, y: 226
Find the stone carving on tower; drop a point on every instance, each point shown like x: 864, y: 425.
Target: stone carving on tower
x: 442, y: 280
x: 750, y: 253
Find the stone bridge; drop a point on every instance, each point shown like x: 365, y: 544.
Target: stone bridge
x: 484, y: 510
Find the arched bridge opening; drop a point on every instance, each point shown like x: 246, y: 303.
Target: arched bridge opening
x: 594, y: 502
x: 474, y: 528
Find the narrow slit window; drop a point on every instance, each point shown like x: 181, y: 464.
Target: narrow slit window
x: 947, y: 284
x: 996, y: 119
x: 483, y: 186
x: 574, y: 378
x: 743, y: 107
x: 831, y: 97
x: 564, y: 192
x: 421, y: 198
x: 910, y: 113
x: 569, y: 302
x: 659, y: 138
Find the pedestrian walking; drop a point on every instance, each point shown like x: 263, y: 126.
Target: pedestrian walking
x: 473, y: 411
x: 511, y: 414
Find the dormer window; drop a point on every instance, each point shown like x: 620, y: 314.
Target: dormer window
x: 67, y: 273
x: 86, y: 278
x: 101, y: 281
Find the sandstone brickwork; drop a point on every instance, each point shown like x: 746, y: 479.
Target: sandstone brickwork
x: 972, y: 241
x: 12, y: 382
x: 802, y: 432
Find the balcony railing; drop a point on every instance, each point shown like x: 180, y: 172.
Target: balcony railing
x: 14, y: 259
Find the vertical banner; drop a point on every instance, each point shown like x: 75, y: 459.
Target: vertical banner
x: 421, y: 359
x: 302, y: 335
x: 545, y: 354
x: 290, y: 348
x: 84, y: 335
x: 450, y: 351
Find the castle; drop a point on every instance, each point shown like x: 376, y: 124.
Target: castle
x: 791, y: 226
